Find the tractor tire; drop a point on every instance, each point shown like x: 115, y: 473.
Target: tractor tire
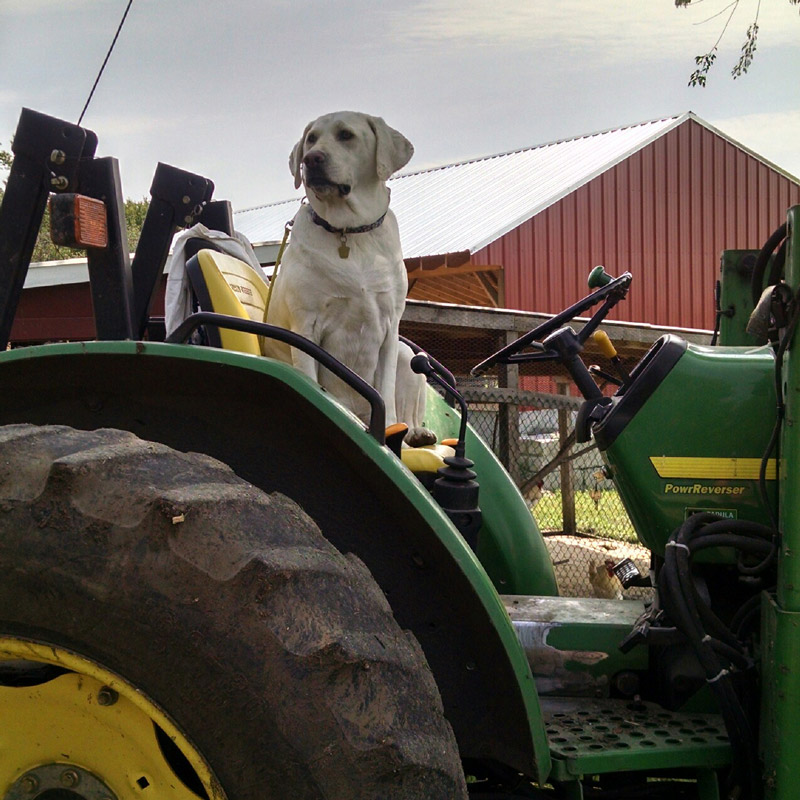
x: 249, y: 640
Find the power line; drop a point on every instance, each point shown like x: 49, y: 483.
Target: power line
x: 105, y: 60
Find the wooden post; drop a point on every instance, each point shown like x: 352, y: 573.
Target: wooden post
x: 508, y: 444
x: 567, y: 488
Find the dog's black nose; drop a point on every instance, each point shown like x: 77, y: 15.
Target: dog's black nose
x: 315, y: 159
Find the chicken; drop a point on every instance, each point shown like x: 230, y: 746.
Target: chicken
x: 604, y: 582
x: 596, y: 493
x: 533, y: 493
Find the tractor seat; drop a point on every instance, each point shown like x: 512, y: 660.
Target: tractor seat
x: 225, y: 285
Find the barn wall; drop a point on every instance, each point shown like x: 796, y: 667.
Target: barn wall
x: 665, y: 214
x: 61, y: 313
x: 54, y: 313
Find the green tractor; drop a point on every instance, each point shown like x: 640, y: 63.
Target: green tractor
x: 219, y: 584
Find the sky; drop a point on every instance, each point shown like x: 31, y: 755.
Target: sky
x: 225, y: 88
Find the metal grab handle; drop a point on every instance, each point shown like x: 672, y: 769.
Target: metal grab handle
x: 438, y: 367
x: 377, y: 420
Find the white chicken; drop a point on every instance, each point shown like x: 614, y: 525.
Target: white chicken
x: 604, y: 582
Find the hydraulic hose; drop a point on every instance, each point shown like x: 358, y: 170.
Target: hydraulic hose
x: 745, y: 768
x: 760, y: 267
x: 718, y: 650
x: 745, y: 613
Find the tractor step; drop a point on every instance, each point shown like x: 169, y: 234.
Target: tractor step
x: 594, y: 737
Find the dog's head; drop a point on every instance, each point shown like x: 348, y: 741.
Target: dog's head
x: 339, y: 152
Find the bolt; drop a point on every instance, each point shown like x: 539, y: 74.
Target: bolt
x: 627, y: 683
x: 107, y: 696
x: 59, y: 182
x: 29, y: 783
x: 58, y: 157
x: 70, y: 778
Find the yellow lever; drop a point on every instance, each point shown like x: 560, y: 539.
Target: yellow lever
x: 604, y: 344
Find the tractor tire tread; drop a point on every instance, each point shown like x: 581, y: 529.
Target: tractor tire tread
x: 147, y: 544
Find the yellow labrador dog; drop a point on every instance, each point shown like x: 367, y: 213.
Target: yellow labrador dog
x: 342, y: 282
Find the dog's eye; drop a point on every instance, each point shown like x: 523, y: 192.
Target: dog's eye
x: 344, y: 135
x: 311, y: 138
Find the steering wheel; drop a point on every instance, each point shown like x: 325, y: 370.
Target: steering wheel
x: 545, y: 340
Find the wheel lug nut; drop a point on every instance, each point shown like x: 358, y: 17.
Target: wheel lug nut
x: 70, y: 778
x: 30, y: 783
x: 107, y: 696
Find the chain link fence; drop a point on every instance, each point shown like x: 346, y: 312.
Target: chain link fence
x: 527, y: 416
x: 575, y: 505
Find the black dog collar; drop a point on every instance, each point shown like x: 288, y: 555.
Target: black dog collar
x: 344, y: 250
x: 323, y: 223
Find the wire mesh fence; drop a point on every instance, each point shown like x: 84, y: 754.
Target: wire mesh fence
x: 527, y: 416
x: 574, y: 503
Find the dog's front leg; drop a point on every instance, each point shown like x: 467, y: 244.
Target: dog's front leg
x: 307, y: 364
x: 386, y: 373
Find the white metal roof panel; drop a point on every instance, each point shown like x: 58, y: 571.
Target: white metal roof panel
x: 266, y: 223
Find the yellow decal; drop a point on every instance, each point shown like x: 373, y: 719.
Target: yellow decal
x: 743, y: 469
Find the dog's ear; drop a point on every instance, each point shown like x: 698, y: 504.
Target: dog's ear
x: 296, y: 158
x: 393, y: 150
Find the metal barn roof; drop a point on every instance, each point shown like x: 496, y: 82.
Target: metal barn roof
x: 461, y: 208
x: 464, y: 207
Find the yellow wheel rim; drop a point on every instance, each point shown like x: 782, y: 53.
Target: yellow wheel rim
x: 90, y: 733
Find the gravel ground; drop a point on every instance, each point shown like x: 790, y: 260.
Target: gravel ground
x: 575, y: 557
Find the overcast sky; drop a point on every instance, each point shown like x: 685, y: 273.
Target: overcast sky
x: 225, y: 88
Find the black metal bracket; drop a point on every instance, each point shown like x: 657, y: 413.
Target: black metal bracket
x: 178, y: 200
x: 48, y: 154
x: 110, y: 278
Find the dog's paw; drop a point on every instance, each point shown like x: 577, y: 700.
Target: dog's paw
x: 420, y: 437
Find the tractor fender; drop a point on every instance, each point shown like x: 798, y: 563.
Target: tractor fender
x: 279, y: 431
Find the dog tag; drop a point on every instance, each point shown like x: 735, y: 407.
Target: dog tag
x: 344, y: 250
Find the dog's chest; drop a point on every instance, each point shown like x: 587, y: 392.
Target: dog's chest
x: 373, y: 264
x: 365, y: 273
x: 363, y: 292
x: 355, y: 314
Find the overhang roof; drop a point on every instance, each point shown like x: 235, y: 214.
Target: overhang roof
x: 461, y: 208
